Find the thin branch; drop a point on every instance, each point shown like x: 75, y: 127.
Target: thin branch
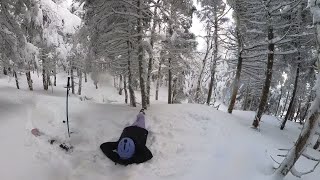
x: 310, y: 157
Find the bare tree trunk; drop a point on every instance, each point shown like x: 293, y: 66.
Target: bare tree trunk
x: 120, y: 85
x: 45, y: 79
x: 80, y: 82
x: 169, y: 83
x: 85, y: 77
x: 29, y: 80
x: 235, y: 85
x: 55, y: 76
x: 131, y: 91
x: 215, y: 54
x: 48, y: 79
x: 204, y: 62
x: 266, y: 87
x: 16, y: 78
x: 278, y: 105
x: 174, y: 91
x: 140, y: 56
x: 159, y: 79
x: 44, y: 74
x: 72, y: 80
x: 239, y: 68
x: 290, y: 108
x: 298, y: 111
x: 285, y: 104
x: 306, y: 111
x: 211, y: 83
x: 150, y: 63
x: 125, y: 89
x: 5, y: 72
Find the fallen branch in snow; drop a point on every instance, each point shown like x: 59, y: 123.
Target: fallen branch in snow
x: 274, y: 160
x: 284, y: 149
x: 280, y: 155
x: 310, y: 157
x: 300, y: 174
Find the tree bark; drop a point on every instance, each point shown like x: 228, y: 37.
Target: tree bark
x: 159, y: 79
x: 169, y: 82
x: 298, y: 112
x: 85, y: 77
x: 290, y: 108
x: 267, y: 83
x: 44, y: 79
x: 16, y: 78
x: 215, y: 54
x: 48, y: 79
x: 125, y: 89
x: 29, y: 80
x: 72, y: 81
x: 204, y: 62
x: 44, y: 73
x: 235, y: 85
x: 308, y: 106
x: 239, y: 68
x: 5, y: 72
x: 120, y: 85
x: 55, y: 76
x: 80, y: 82
x: 285, y: 104
x: 150, y: 63
x: 140, y: 55
x: 278, y: 105
x: 131, y: 91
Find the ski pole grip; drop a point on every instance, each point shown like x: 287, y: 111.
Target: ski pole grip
x: 68, y: 83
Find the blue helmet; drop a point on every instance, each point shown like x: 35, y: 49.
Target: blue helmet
x: 126, y: 148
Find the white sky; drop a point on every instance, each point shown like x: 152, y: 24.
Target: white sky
x: 197, y: 28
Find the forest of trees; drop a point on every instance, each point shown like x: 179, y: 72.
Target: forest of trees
x: 259, y: 55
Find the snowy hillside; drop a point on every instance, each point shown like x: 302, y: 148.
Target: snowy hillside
x: 188, y: 141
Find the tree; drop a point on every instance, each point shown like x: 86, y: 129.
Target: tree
x: 212, y: 15
x: 312, y: 122
x: 292, y: 98
x: 178, y: 44
x: 237, y: 13
x: 118, y: 39
x: 271, y: 16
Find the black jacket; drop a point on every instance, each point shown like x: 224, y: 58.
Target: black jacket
x: 139, y: 136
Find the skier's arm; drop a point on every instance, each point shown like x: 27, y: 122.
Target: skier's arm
x: 143, y: 154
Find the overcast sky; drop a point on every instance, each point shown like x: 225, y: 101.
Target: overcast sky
x: 197, y: 28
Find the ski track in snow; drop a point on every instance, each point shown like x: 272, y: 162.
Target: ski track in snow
x: 188, y: 141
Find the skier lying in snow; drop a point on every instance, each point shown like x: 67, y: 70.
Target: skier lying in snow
x: 131, y: 146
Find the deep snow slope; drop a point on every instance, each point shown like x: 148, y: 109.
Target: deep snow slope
x: 188, y: 141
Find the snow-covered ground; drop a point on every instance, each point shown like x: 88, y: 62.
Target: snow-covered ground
x: 188, y: 141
